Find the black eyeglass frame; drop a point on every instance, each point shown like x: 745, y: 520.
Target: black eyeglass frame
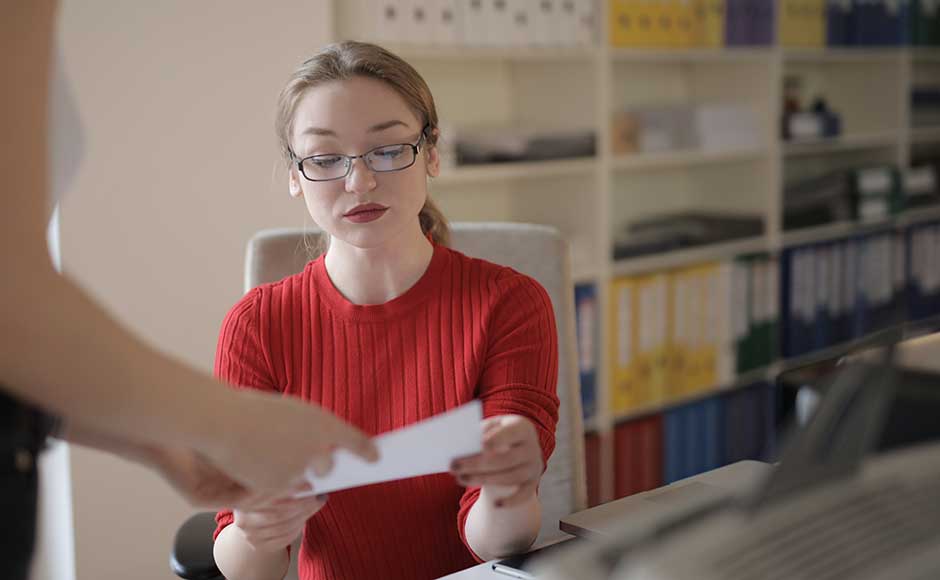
x: 415, y: 148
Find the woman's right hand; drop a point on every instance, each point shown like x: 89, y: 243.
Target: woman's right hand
x: 267, y: 442
x: 272, y: 526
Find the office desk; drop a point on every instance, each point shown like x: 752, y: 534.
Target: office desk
x: 485, y: 571
x: 644, y: 509
x: 479, y: 572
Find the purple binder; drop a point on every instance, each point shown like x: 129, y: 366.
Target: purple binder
x: 735, y: 20
x: 762, y: 22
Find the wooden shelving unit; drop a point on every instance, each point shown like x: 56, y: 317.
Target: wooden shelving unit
x: 590, y: 199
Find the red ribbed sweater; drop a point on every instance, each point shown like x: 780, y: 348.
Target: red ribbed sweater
x: 468, y: 329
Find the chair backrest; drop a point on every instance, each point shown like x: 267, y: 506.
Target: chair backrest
x: 538, y: 251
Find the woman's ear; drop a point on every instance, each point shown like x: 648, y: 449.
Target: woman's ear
x: 293, y: 183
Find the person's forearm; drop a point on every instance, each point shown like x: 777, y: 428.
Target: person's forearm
x: 75, y: 432
x: 238, y: 560
x: 65, y: 354
x: 498, y: 532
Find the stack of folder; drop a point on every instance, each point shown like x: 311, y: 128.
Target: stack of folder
x: 920, y: 185
x: 750, y: 416
x: 696, y: 437
x: 923, y: 275
x: 497, y: 23
x: 878, y: 192
x: 719, y: 430
x: 802, y: 23
x: 689, y: 330
x: 667, y: 23
x: 749, y: 22
x: 880, y: 22
x: 638, y: 453
x: 839, y: 290
x: 640, y: 345
x: 755, y: 314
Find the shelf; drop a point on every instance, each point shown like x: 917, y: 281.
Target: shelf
x: 741, y: 381
x: 927, y: 55
x: 523, y: 170
x: 918, y: 215
x: 925, y: 135
x: 548, y: 54
x: 846, y: 229
x: 681, y: 159
x: 831, y: 232
x: 689, y: 256
x: 922, y: 327
x: 583, y: 275
x: 691, y: 55
x: 844, y: 143
x: 591, y: 425
x: 861, y: 55
x: 908, y: 329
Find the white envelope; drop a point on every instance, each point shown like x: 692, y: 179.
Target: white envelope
x: 420, y: 449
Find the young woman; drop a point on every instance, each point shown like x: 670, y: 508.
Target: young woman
x: 387, y: 328
x: 61, y: 354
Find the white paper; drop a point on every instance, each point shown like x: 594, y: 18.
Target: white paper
x: 420, y: 449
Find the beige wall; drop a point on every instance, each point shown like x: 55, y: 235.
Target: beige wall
x: 177, y: 101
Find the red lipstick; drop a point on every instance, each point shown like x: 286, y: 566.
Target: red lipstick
x: 366, y: 212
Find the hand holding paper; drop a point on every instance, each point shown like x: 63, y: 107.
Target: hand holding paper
x: 510, y: 467
x: 420, y: 449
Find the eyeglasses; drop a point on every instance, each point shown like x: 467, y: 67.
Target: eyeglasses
x: 383, y: 159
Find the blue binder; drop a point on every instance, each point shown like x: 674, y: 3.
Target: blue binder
x: 588, y: 376
x: 763, y: 21
x: 737, y: 23
x: 674, y: 448
x: 713, y: 410
x: 822, y: 327
x: 695, y: 436
x: 840, y: 22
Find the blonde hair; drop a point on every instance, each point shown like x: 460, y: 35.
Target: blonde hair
x: 343, y: 61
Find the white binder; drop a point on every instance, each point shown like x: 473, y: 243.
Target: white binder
x: 586, y: 27
x: 475, y: 22
x: 389, y: 21
x: 499, y: 22
x: 419, y: 30
x: 546, y: 22
x: 446, y: 22
x: 567, y: 22
x: 522, y: 26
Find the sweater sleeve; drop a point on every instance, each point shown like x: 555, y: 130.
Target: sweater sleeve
x: 241, y: 361
x: 520, y: 372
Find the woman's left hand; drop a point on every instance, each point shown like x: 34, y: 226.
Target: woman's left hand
x: 510, y: 465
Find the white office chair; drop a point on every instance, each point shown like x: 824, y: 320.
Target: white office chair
x: 537, y: 251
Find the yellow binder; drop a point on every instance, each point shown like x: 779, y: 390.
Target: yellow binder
x: 631, y: 22
x: 639, y: 349
x: 708, y: 23
x: 802, y: 23
x: 710, y: 325
x: 623, y: 345
x: 816, y: 23
x: 681, y: 364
